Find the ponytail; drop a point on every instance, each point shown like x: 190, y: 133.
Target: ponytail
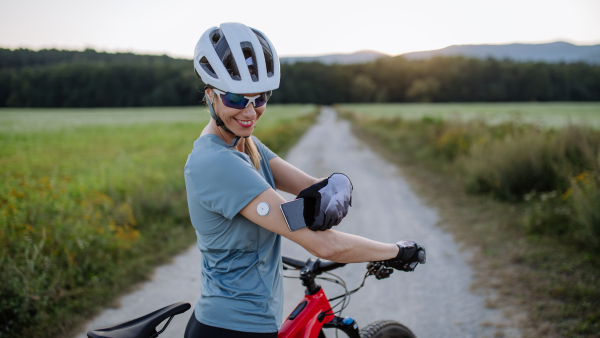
x: 251, y: 150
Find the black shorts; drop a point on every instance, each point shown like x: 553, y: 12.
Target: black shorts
x: 195, y: 329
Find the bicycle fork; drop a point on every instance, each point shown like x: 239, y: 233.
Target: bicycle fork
x: 347, y: 325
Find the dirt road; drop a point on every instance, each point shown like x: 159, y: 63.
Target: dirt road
x: 434, y: 301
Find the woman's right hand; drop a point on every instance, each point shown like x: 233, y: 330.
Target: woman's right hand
x: 326, y: 203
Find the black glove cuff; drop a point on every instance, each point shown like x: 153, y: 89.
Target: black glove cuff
x: 405, y: 253
x: 399, y: 255
x: 312, y: 203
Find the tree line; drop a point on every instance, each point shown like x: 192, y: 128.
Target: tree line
x: 53, y: 78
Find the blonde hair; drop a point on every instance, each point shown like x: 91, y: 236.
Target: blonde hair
x: 252, y: 152
x: 249, y: 146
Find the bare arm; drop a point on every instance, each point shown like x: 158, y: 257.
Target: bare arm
x: 330, y: 244
x: 289, y: 178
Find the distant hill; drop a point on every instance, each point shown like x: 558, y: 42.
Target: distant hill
x: 358, y: 57
x: 547, y: 52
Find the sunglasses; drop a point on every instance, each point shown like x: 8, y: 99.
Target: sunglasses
x: 239, y: 101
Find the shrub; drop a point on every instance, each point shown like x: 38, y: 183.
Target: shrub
x: 512, y: 167
x: 585, y: 203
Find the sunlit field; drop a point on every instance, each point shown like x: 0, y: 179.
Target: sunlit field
x: 92, y: 199
x: 551, y: 114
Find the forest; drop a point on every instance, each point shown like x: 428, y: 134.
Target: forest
x: 55, y: 78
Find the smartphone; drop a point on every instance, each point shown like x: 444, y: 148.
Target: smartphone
x: 293, y: 212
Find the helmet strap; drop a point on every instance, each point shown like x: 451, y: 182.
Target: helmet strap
x: 220, y: 123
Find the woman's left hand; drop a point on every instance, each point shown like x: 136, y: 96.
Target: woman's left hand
x: 326, y: 203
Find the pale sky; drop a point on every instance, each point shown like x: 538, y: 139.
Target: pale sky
x: 296, y: 27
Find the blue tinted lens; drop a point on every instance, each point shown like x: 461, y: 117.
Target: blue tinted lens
x: 261, y: 100
x: 235, y: 101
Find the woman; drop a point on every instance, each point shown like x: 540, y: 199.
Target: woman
x: 234, y: 207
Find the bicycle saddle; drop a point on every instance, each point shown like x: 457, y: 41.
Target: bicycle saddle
x: 142, y: 327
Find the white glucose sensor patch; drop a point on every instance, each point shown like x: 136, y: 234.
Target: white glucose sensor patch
x: 263, y: 208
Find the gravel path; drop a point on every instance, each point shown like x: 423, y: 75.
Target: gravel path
x: 434, y: 301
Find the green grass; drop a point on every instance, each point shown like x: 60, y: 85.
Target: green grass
x: 537, y: 215
x: 24, y: 120
x: 92, y: 199
x: 553, y: 114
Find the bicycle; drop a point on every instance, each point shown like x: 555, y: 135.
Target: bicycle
x: 307, y: 320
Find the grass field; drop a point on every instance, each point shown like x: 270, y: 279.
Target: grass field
x: 551, y: 114
x: 92, y: 199
x: 23, y: 120
x: 527, y: 196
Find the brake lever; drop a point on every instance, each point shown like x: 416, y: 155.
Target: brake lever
x: 379, y: 270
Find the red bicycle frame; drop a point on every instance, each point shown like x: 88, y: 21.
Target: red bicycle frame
x: 303, y: 321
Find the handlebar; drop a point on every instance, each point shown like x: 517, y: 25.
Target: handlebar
x: 298, y: 264
x: 328, y: 266
x: 318, y: 266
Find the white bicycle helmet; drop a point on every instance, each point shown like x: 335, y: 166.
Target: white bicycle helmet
x: 236, y: 58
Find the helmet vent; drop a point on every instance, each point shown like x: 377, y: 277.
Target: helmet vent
x: 215, y: 36
x: 250, y: 58
x: 222, y: 49
x: 267, y: 52
x: 230, y: 65
x: 269, y: 62
x: 207, y: 67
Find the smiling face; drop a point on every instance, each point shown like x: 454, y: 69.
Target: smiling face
x: 240, y: 121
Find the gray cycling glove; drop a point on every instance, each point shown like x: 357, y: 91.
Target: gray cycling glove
x: 326, y: 203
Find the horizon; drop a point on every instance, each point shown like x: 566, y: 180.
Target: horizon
x: 300, y: 56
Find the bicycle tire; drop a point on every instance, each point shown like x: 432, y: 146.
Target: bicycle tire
x: 386, y: 329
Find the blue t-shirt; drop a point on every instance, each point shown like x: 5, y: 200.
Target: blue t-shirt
x: 241, y: 275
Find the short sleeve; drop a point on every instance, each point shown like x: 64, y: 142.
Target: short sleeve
x: 265, y: 152
x: 224, y: 181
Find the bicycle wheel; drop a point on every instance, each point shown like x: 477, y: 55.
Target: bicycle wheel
x: 386, y: 329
